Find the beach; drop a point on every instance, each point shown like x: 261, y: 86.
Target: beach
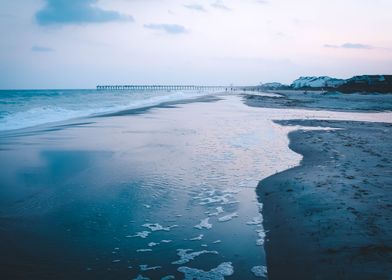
x: 195, y: 140
x: 330, y: 217
x: 172, y: 190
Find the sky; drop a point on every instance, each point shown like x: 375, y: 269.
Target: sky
x: 82, y: 43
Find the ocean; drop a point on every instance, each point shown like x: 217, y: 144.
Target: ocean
x: 27, y: 108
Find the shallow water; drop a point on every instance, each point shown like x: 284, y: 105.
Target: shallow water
x: 167, y: 192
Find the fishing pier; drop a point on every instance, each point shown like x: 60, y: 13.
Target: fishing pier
x: 162, y: 87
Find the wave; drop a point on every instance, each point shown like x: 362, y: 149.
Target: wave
x: 56, y: 109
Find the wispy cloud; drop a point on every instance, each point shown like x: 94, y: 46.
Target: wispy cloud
x: 41, y: 49
x: 356, y: 46
x: 168, y: 28
x: 195, y: 7
x: 350, y: 46
x: 219, y: 5
x: 263, y: 2
x: 59, y: 12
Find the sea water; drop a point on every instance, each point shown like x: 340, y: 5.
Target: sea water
x: 26, y: 108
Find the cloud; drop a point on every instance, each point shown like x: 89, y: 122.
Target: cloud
x: 263, y: 2
x: 356, y: 46
x: 195, y: 7
x: 350, y: 46
x: 76, y: 12
x: 41, y: 49
x: 168, y: 28
x: 219, y: 5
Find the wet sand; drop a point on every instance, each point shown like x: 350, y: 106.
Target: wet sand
x: 163, y: 191
x: 143, y: 191
x: 331, y: 217
x: 317, y: 100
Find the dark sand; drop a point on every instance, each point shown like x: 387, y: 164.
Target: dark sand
x: 332, y: 101
x: 331, y: 217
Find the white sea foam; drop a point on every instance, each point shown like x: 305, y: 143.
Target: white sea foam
x: 200, y: 237
x: 143, y: 250
x: 256, y: 221
x: 261, y: 234
x: 219, y: 210
x: 204, y: 224
x: 141, y: 234
x: 158, y: 227
x: 218, y: 273
x: 186, y: 255
x: 145, y: 267
x: 259, y: 271
x: 228, y: 217
x: 215, y: 198
x: 141, y: 277
x: 223, y: 199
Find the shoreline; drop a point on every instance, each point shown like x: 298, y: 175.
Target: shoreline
x: 140, y: 106
x: 151, y: 165
x: 329, y: 217
x: 115, y: 194
x: 83, y: 120
x: 317, y: 101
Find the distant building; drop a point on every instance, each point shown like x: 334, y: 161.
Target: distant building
x: 368, y: 83
x: 322, y: 82
x: 273, y: 86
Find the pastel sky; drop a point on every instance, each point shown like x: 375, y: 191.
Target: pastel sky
x: 82, y: 43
